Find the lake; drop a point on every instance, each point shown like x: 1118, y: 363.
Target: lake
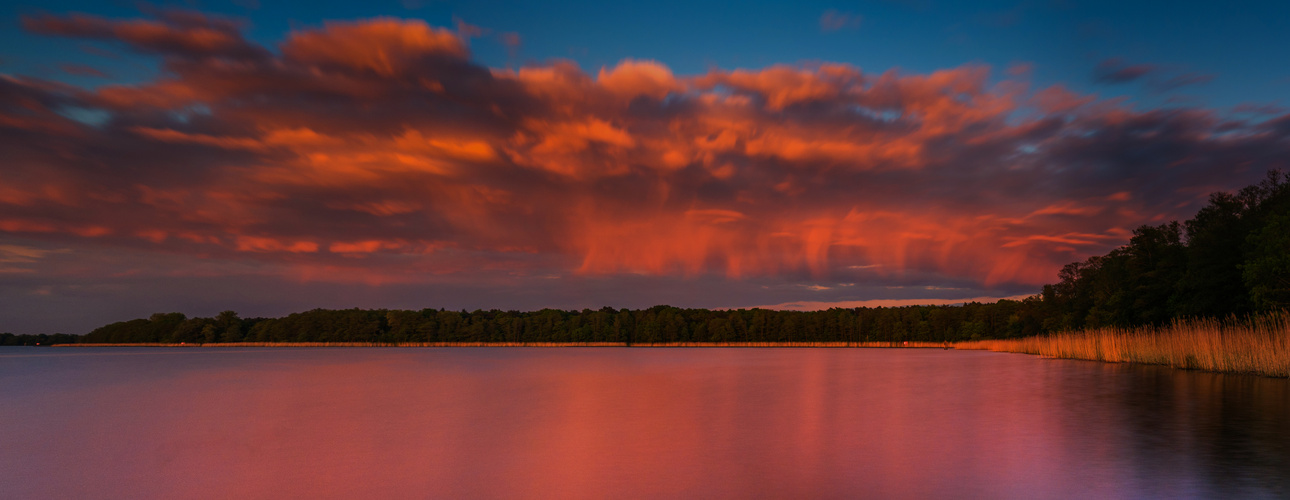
x: 628, y: 423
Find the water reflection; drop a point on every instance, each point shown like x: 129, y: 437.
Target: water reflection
x: 629, y: 423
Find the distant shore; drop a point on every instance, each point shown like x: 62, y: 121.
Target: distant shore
x: 1258, y: 346
x: 924, y: 345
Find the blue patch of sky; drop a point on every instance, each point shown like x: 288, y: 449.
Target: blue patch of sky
x: 1241, y: 45
x: 88, y: 116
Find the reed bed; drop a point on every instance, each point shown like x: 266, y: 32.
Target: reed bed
x: 1257, y: 345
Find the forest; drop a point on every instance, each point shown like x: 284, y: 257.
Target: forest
x: 1232, y: 259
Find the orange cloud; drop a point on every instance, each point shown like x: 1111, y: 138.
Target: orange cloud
x: 265, y: 244
x: 632, y: 78
x: 386, y: 46
x: 783, y: 85
x: 176, y: 32
x: 380, y: 139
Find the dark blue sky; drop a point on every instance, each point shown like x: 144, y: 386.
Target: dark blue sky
x: 1212, y: 54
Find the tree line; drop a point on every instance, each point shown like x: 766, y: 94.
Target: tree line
x: 1232, y: 258
x: 643, y: 326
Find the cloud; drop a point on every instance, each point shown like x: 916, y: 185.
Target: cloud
x: 1020, y: 69
x: 174, y: 32
x: 846, y: 304
x: 510, y: 40
x: 1115, y: 70
x: 467, y: 30
x: 378, y: 153
x: 1159, y: 79
x: 83, y: 70
x: 15, y: 259
x: 833, y: 20
x: 1260, y: 109
x: 387, y: 46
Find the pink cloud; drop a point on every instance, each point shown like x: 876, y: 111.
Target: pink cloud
x: 378, y: 152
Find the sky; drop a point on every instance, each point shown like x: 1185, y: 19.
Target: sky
x: 274, y: 157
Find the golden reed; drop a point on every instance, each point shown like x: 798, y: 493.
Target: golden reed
x: 1256, y: 345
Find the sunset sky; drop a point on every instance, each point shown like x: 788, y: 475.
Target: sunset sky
x: 273, y: 157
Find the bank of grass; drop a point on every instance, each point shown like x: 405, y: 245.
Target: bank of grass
x: 1258, y: 345
x: 531, y: 344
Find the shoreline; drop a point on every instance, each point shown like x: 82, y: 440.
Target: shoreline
x: 882, y: 345
x: 1252, y: 347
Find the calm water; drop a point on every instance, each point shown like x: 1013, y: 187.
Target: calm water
x: 628, y: 423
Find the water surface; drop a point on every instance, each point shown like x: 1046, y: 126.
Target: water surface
x: 628, y: 423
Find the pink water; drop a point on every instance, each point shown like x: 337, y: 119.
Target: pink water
x: 628, y: 423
